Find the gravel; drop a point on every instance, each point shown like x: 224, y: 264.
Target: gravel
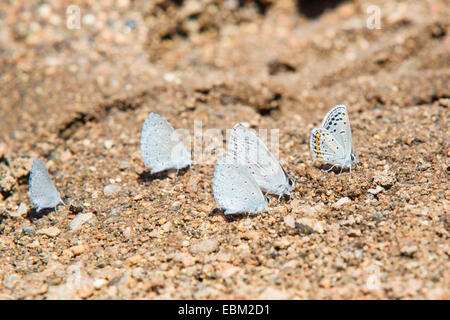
x: 77, y: 99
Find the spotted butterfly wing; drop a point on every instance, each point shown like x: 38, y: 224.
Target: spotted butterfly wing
x: 234, y: 188
x: 337, y: 123
x: 245, y: 147
x: 326, y: 147
x: 161, y: 147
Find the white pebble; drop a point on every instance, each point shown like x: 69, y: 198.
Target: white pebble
x: 81, y: 219
x: 341, y: 202
x: 111, y: 189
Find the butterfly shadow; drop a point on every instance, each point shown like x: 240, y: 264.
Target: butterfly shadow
x: 33, y: 214
x: 148, y: 177
x: 231, y: 217
x: 326, y: 167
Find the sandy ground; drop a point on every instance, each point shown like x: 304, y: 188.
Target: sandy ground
x: 77, y: 99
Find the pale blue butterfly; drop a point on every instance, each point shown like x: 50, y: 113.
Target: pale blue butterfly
x: 332, y: 141
x: 161, y: 147
x: 43, y: 193
x: 234, y: 188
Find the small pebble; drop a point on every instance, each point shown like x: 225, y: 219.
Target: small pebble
x: 111, y: 189
x: 81, y: 219
x: 21, y: 211
x: 375, y: 191
x: 409, y: 251
x: 167, y: 226
x: 66, y: 156
x: 29, y: 231
x: 384, y: 178
x: 124, y: 164
x: 289, y: 221
x: 99, y: 283
x: 205, y: 246
x: 49, y: 232
x: 85, y: 289
x: 108, y: 144
x: 134, y: 260
x: 77, y: 250
x: 341, y: 202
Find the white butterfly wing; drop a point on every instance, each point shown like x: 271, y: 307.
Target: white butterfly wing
x: 245, y: 147
x: 161, y: 147
x: 325, y: 146
x: 43, y: 193
x: 234, y: 189
x: 337, y: 123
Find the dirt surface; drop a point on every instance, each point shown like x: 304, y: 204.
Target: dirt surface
x: 77, y: 98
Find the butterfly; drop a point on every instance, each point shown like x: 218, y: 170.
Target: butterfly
x: 235, y: 189
x: 332, y: 141
x: 245, y: 147
x: 161, y: 147
x: 43, y: 193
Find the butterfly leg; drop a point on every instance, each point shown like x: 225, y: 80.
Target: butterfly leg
x: 267, y: 197
x: 330, y: 168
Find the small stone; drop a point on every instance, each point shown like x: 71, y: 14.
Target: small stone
x: 81, y: 219
x: 292, y: 264
x: 185, y: 243
x: 85, y: 289
x: 99, y: 283
x: 176, y: 205
x: 154, y: 234
x: 314, y: 224
x: 408, y: 251
x: 230, y: 271
x: 66, y: 156
x: 354, y: 233
x: 273, y: 294
x: 378, y: 215
x: 77, y: 250
x: 124, y: 164
x: 138, y: 273
x: 111, y: 189
x: 171, y: 77
x: 304, y: 228
x: 49, y: 232
x: 108, y: 144
x: 384, y: 178
x: 289, y: 221
x: 445, y: 102
x: 21, y: 211
x: 11, y: 281
x: 375, y: 191
x: 3, y: 149
x: 75, y: 207
x: 134, y: 260
x: 88, y: 19
x: 205, y: 246
x: 341, y: 202
x: 167, y: 226
x: 29, y: 231
x: 185, y: 258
